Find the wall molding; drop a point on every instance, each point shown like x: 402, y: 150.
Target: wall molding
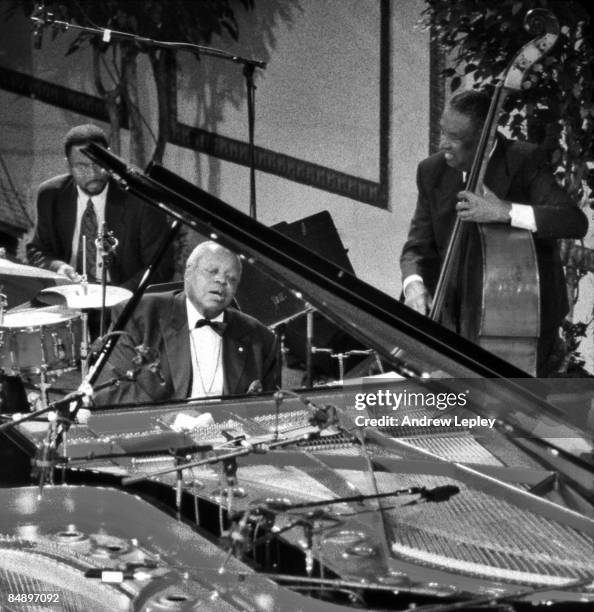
x: 374, y: 193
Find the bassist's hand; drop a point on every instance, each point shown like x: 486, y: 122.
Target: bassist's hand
x: 482, y: 209
x: 417, y: 297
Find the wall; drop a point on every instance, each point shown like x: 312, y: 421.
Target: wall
x: 317, y: 100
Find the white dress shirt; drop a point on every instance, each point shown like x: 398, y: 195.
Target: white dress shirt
x: 206, y: 347
x: 99, y: 201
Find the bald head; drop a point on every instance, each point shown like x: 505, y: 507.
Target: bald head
x: 211, y: 278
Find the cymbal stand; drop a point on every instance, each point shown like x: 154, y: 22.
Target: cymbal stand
x: 44, y: 385
x: 106, y: 244
x: 280, y: 329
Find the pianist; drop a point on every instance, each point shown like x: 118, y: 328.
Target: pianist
x: 193, y: 344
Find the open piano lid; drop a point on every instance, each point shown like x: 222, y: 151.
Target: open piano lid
x: 415, y: 346
x: 499, y: 534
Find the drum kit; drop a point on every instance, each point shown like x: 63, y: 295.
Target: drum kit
x: 40, y: 344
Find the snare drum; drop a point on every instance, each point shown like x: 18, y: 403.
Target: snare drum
x: 40, y: 339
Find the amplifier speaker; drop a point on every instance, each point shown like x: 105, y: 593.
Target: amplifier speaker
x: 266, y: 298
x: 272, y: 303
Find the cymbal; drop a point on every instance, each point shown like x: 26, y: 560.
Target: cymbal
x: 81, y: 296
x: 12, y: 268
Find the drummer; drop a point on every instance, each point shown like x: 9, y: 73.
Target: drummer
x: 72, y: 209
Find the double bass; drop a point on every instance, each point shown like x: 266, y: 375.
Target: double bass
x: 499, y: 300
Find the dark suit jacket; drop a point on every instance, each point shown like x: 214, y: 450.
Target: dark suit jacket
x: 140, y: 229
x: 517, y: 173
x: 160, y: 321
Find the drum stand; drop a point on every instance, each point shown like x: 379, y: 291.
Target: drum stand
x: 44, y: 385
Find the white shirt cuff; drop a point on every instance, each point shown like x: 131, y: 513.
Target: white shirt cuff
x: 522, y: 217
x: 410, y: 279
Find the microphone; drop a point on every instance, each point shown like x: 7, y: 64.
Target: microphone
x: 276, y: 504
x: 106, y: 242
x: 320, y: 417
x: 39, y: 14
x: 437, y: 494
x: 323, y: 417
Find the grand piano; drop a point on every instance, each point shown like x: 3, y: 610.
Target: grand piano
x: 452, y: 481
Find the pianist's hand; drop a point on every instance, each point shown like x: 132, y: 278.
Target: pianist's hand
x: 417, y: 297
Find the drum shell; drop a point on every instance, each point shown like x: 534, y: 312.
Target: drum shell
x: 41, y: 339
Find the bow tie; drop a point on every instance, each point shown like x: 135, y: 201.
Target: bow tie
x: 218, y: 326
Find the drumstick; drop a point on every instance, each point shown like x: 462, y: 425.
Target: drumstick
x: 84, y: 266
x: 84, y: 254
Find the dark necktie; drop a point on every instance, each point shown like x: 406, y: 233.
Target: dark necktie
x: 218, y: 326
x: 88, y: 229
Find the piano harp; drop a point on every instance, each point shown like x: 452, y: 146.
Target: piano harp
x: 521, y: 527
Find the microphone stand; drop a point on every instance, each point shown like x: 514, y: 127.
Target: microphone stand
x: 56, y: 405
x: 106, y: 244
x: 256, y: 447
x: 437, y: 494
x: 43, y: 18
x: 308, y: 522
x: 58, y: 426
x: 118, y: 326
x: 248, y: 72
x: 83, y: 395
